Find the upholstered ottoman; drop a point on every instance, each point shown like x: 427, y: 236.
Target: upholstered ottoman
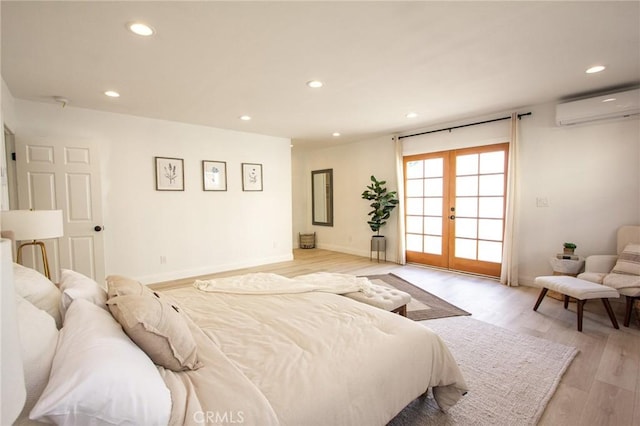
x: 383, y: 297
x: 578, y: 289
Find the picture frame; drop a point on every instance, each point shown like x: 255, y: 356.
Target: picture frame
x: 169, y: 174
x: 251, y: 177
x: 214, y: 175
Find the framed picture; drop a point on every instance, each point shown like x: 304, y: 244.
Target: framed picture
x: 214, y: 175
x: 169, y: 174
x: 251, y: 177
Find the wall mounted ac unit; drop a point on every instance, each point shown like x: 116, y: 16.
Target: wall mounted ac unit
x: 605, y: 107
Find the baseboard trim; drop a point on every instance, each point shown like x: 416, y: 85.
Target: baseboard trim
x: 213, y: 269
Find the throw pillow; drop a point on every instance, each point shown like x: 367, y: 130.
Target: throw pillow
x: 629, y: 260
x: 117, y: 285
x: 157, y: 328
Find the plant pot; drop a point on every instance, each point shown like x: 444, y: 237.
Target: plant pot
x: 378, y: 244
x: 568, y: 251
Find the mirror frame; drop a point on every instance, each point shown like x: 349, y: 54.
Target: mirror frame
x: 329, y: 197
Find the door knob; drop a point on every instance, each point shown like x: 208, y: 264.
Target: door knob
x: 98, y: 228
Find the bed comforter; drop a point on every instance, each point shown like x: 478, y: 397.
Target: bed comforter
x: 311, y: 358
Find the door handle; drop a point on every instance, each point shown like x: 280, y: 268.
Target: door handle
x: 452, y: 217
x: 98, y: 228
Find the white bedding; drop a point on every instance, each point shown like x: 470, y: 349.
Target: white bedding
x: 267, y: 283
x: 310, y: 358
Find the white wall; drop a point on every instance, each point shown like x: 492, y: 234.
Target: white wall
x: 352, y: 165
x: 8, y: 107
x: 7, y: 118
x: 590, y: 175
x: 198, y: 232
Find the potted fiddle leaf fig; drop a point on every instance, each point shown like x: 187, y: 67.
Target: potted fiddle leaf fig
x: 382, y: 204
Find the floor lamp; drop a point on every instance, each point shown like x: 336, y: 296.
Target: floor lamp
x: 33, y: 226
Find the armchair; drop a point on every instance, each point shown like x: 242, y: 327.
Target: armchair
x: 621, y: 271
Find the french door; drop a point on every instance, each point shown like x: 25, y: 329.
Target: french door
x: 454, y: 208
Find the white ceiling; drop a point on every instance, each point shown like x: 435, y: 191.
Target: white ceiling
x: 210, y: 62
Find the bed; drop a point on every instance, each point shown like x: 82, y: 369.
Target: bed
x: 129, y: 355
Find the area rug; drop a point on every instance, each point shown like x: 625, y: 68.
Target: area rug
x: 424, y: 304
x: 511, y: 376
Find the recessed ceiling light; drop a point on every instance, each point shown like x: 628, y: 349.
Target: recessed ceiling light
x: 595, y: 69
x: 411, y: 115
x: 140, y: 29
x: 609, y: 100
x: 315, y: 84
x: 245, y: 118
x: 335, y: 134
x: 112, y: 94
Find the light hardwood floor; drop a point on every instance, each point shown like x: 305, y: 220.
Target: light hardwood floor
x: 602, y: 385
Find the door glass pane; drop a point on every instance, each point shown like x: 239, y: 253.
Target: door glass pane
x: 414, y: 188
x: 467, y: 164
x: 467, y: 185
x: 489, y: 229
x: 492, y: 162
x: 414, y: 242
x: 433, y: 187
x: 415, y: 169
x: 414, y: 206
x: 492, y: 207
x: 492, y: 185
x: 433, y: 225
x: 414, y: 224
x: 467, y: 206
x: 433, y: 167
x: 490, y: 251
x: 433, y: 206
x: 466, y: 228
x: 433, y: 245
x: 465, y: 249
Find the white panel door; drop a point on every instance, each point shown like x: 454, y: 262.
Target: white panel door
x: 65, y: 176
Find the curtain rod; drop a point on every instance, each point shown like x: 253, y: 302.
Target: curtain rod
x: 464, y: 125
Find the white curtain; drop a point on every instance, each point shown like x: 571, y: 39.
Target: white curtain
x: 509, y: 273
x: 401, y: 255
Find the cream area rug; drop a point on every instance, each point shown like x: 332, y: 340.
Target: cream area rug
x: 511, y: 376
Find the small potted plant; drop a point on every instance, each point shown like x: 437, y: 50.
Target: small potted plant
x: 569, y: 248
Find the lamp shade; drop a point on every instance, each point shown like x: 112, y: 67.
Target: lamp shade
x: 33, y: 224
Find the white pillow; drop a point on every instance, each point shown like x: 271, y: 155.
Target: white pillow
x: 74, y: 285
x: 38, y: 290
x: 99, y: 376
x: 38, y: 339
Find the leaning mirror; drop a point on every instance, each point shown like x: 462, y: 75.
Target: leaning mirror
x: 322, y: 197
